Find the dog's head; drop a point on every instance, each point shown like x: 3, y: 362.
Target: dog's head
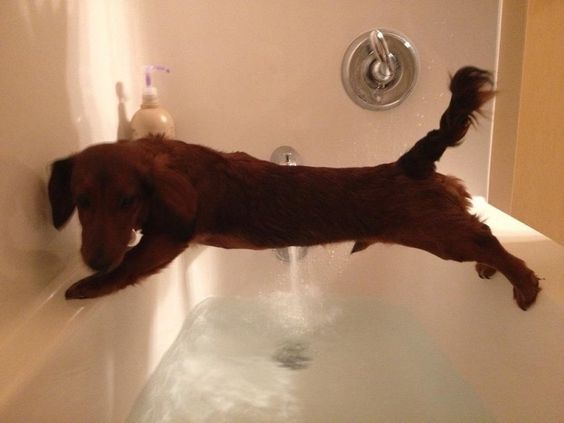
x: 116, y: 189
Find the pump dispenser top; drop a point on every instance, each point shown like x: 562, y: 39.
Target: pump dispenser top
x: 151, y: 118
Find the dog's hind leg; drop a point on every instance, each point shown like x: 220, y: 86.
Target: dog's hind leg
x: 468, y: 239
x: 491, y: 256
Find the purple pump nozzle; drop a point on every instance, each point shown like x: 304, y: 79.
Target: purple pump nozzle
x: 149, y: 69
x: 150, y: 96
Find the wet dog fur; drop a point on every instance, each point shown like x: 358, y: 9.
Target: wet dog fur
x: 178, y: 194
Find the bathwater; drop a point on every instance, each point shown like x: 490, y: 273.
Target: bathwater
x: 299, y: 357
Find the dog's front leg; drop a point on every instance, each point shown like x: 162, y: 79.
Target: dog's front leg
x: 153, y: 252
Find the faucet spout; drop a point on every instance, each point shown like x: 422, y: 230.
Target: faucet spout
x: 286, y: 156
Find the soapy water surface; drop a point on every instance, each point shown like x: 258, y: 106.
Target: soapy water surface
x: 288, y: 357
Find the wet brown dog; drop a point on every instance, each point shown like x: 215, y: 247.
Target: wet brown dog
x: 179, y: 193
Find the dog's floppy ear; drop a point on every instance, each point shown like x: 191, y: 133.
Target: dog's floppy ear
x: 175, y: 200
x: 60, y: 196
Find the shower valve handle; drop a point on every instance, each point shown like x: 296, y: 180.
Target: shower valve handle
x: 382, y: 70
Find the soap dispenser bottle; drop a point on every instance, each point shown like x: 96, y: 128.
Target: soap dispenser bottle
x: 151, y: 118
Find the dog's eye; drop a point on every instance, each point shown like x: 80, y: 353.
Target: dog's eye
x: 127, y: 202
x: 83, y: 202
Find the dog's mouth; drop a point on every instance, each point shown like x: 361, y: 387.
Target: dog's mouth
x: 102, y: 267
x: 104, y: 257
x: 101, y: 261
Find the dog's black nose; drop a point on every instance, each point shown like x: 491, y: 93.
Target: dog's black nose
x: 99, y: 262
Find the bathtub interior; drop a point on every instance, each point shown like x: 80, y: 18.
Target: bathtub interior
x: 288, y: 357
x: 389, y: 334
x: 436, y: 324
x: 246, y: 77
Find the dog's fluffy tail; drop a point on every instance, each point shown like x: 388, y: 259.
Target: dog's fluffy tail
x: 471, y: 88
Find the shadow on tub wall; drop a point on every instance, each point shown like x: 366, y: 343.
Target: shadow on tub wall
x: 50, y: 108
x: 37, y: 127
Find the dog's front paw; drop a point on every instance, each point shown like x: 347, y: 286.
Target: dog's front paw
x: 90, y: 287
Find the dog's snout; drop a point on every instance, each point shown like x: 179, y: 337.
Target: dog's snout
x: 100, y: 261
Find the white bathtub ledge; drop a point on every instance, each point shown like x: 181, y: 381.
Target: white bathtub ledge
x: 543, y: 255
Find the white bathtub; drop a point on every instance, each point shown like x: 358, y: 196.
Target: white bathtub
x: 247, y: 76
x: 87, y: 361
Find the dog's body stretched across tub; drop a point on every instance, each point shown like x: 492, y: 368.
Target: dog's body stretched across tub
x: 178, y: 194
